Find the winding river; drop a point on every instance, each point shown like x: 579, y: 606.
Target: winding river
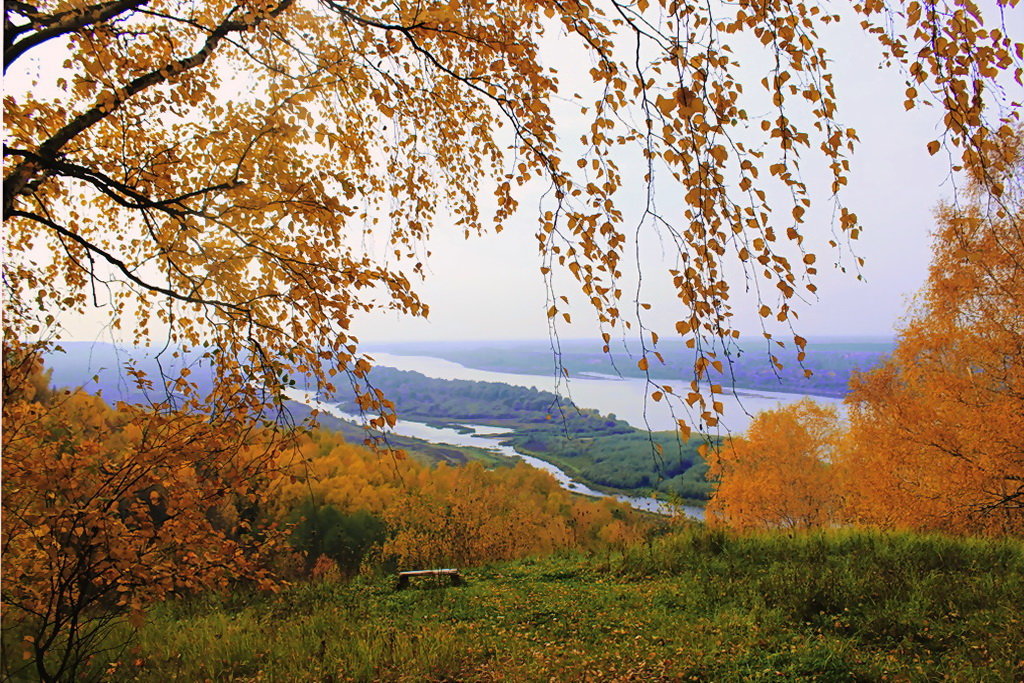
x: 489, y: 438
x: 626, y: 398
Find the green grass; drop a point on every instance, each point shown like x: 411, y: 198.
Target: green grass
x: 695, y: 605
x: 624, y: 463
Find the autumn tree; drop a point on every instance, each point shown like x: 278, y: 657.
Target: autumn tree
x: 470, y: 516
x: 934, y: 440
x: 778, y: 475
x: 207, y: 171
x: 106, y: 510
x: 936, y: 432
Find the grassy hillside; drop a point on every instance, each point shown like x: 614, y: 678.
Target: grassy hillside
x: 694, y: 605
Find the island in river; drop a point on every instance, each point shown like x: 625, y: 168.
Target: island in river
x: 598, y: 450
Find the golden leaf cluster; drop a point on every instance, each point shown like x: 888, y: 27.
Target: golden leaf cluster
x: 934, y: 439
x: 213, y: 171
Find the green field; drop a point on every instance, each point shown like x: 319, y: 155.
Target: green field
x: 635, y: 462
x: 691, y: 605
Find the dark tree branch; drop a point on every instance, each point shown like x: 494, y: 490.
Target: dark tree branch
x: 22, y: 175
x: 117, y: 190
x: 124, y: 268
x: 51, y: 26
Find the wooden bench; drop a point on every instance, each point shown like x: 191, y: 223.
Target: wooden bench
x: 453, y: 574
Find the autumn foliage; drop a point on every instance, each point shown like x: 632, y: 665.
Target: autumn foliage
x: 247, y: 178
x: 778, y: 476
x: 934, y: 439
x: 215, y: 173
x: 442, y: 515
x: 941, y: 422
x: 108, y: 510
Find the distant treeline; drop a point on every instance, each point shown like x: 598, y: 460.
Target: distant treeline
x: 749, y: 366
x: 428, y: 399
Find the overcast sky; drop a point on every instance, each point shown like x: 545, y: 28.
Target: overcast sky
x: 489, y: 287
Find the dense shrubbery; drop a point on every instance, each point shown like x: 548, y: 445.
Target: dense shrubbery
x: 106, y: 510
x: 324, y: 531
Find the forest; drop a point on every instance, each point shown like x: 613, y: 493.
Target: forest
x: 236, y: 188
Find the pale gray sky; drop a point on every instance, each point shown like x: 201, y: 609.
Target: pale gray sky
x: 489, y: 287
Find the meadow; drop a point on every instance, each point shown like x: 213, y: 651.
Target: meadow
x: 692, y: 604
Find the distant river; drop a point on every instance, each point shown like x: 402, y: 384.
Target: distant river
x: 490, y: 439
x: 624, y: 397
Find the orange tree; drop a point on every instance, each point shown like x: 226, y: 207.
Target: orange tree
x: 106, y: 510
x: 934, y: 440
x: 779, y: 475
x: 936, y: 436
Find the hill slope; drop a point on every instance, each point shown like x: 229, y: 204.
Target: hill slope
x: 696, y: 605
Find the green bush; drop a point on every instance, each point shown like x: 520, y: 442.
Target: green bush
x: 345, y: 538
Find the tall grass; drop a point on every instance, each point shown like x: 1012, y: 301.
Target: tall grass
x: 698, y: 604
x: 911, y: 594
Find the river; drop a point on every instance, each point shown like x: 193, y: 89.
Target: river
x: 624, y: 397
x: 490, y: 438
